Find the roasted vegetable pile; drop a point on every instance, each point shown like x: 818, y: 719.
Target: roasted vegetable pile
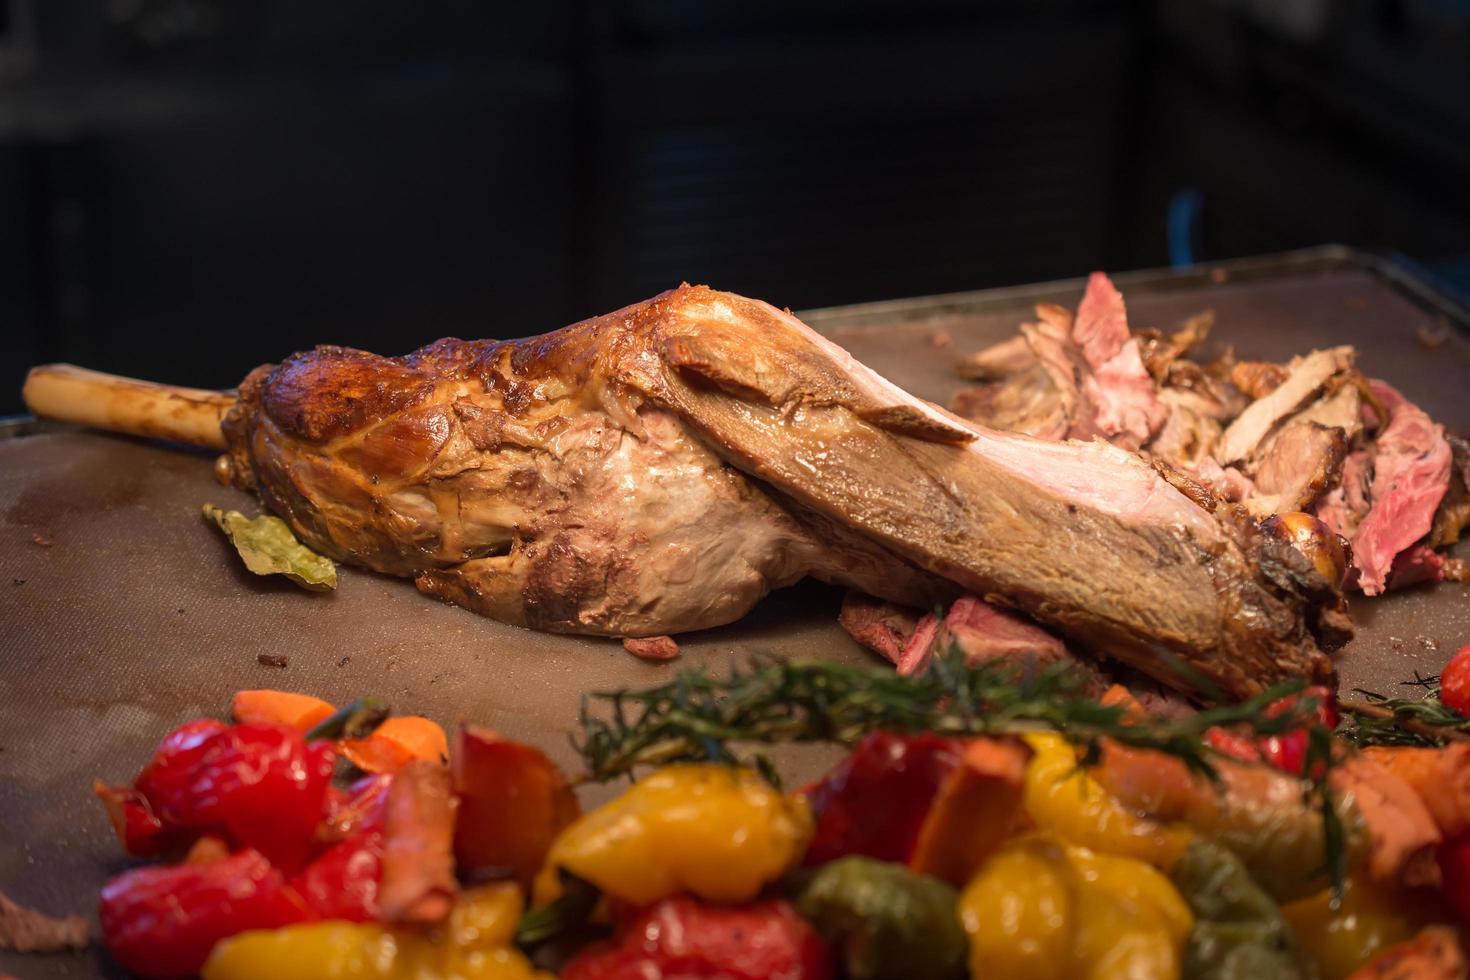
x: 1083, y: 840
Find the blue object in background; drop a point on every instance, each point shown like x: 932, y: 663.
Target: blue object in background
x: 1185, y: 208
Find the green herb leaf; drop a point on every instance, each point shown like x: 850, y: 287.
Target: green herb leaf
x: 356, y: 720
x: 1422, y: 721
x: 269, y: 548
x: 564, y: 915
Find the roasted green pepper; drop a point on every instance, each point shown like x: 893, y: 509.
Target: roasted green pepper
x: 1239, y: 932
x: 884, y: 921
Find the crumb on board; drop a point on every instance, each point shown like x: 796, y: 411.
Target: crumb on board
x: 1432, y: 335
x: 344, y: 661
x: 41, y: 540
x: 652, y: 647
x: 271, y: 660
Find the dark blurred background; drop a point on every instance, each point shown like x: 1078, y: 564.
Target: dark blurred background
x: 191, y: 187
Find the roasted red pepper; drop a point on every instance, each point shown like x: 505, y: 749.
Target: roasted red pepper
x: 1287, y: 751
x: 342, y: 882
x: 1454, y: 872
x: 1454, y: 682
x: 140, y: 829
x: 161, y: 922
x: 258, y: 785
x: 684, y: 938
x: 875, y: 801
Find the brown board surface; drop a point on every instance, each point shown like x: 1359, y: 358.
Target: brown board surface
x: 138, y: 616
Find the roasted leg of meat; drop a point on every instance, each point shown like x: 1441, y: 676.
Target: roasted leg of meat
x: 660, y: 468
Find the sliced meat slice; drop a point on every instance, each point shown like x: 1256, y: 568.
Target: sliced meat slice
x: 1344, y: 507
x: 1191, y: 431
x: 881, y: 626
x: 1306, y: 376
x: 1159, y: 351
x: 1340, y: 409
x: 1028, y: 402
x: 25, y: 930
x: 1411, y: 475
x: 1453, y: 515
x: 998, y: 361
x: 1257, y: 379
x: 1124, y: 403
x: 984, y: 634
x: 1416, y: 565
x: 1296, y: 468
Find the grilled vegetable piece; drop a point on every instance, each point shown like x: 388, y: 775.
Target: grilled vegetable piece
x: 256, y: 785
x: 875, y: 801
x: 884, y: 922
x: 474, y: 944
x: 1342, y: 937
x: 161, y: 922
x: 1064, y: 799
x: 356, y: 720
x: 268, y: 547
x: 342, y: 882
x: 1434, y: 954
x: 1239, y: 932
x: 1044, y: 910
x: 395, y: 743
x: 715, y: 831
x: 418, y: 885
x: 1257, y: 811
x: 281, y: 708
x: 513, y: 802
x: 978, y: 806
x: 685, y: 938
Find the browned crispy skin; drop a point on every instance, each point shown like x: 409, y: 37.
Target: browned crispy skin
x: 524, y: 481
x: 660, y: 468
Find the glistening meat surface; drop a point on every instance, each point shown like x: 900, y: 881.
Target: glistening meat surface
x: 660, y: 468
x: 1411, y: 474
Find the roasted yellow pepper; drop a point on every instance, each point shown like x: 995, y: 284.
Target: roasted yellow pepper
x: 1045, y: 910
x: 714, y: 831
x: 1064, y: 800
x: 473, y: 945
x: 1370, y: 919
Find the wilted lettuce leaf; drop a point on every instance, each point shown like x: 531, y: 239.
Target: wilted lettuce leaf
x: 269, y: 548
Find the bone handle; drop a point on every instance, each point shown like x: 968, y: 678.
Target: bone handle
x: 68, y: 393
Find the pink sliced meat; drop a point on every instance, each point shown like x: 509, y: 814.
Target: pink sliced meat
x: 881, y: 626
x: 1343, y: 508
x: 920, y: 649
x: 984, y: 633
x: 1418, y: 565
x: 1118, y: 387
x: 1411, y: 474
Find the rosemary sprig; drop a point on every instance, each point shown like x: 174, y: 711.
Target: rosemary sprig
x: 698, y: 717
x: 1422, y: 721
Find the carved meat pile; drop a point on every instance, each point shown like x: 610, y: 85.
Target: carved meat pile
x: 1313, y: 435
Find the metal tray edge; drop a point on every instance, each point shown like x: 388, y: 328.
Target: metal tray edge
x: 1323, y: 258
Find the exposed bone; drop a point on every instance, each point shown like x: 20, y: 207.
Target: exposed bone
x: 67, y: 393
